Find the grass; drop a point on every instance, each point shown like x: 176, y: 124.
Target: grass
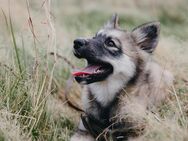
x: 32, y: 79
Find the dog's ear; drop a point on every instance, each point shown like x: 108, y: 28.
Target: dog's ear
x: 146, y: 36
x: 113, y: 22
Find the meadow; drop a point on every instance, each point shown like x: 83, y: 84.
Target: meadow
x: 36, y: 60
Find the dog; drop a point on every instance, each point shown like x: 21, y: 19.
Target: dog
x: 121, y: 81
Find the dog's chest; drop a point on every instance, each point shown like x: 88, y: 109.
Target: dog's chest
x: 100, y: 111
x: 104, y: 119
x: 101, y: 99
x: 105, y: 92
x: 99, y: 117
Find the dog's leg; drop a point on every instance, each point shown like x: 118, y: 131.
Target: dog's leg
x: 82, y: 134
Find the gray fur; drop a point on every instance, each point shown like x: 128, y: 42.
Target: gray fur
x: 138, y: 85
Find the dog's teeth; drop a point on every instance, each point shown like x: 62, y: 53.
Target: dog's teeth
x: 97, y: 71
x: 84, y: 75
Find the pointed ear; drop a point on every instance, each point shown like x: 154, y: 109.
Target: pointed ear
x: 146, y: 36
x: 113, y: 22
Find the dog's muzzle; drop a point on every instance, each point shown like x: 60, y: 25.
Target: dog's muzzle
x: 96, y: 69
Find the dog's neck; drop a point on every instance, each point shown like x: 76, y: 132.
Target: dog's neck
x: 105, y: 91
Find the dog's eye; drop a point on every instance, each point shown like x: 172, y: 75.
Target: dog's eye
x: 110, y: 43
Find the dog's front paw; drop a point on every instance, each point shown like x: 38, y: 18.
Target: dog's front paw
x: 79, y: 137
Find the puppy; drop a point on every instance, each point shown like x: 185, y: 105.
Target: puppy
x: 121, y: 81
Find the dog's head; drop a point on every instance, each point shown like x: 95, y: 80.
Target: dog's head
x: 114, y: 51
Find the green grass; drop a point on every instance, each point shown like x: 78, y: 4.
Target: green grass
x: 32, y: 80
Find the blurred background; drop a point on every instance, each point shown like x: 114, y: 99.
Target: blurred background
x: 36, y: 59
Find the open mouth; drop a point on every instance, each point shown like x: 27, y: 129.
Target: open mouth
x: 95, y: 71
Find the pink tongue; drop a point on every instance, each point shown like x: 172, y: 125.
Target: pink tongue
x: 88, y: 70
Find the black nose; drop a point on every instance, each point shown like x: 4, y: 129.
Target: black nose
x: 78, y: 43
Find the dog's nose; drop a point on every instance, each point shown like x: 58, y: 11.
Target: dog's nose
x: 78, y: 43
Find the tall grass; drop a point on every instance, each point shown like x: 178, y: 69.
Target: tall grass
x: 36, y: 60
